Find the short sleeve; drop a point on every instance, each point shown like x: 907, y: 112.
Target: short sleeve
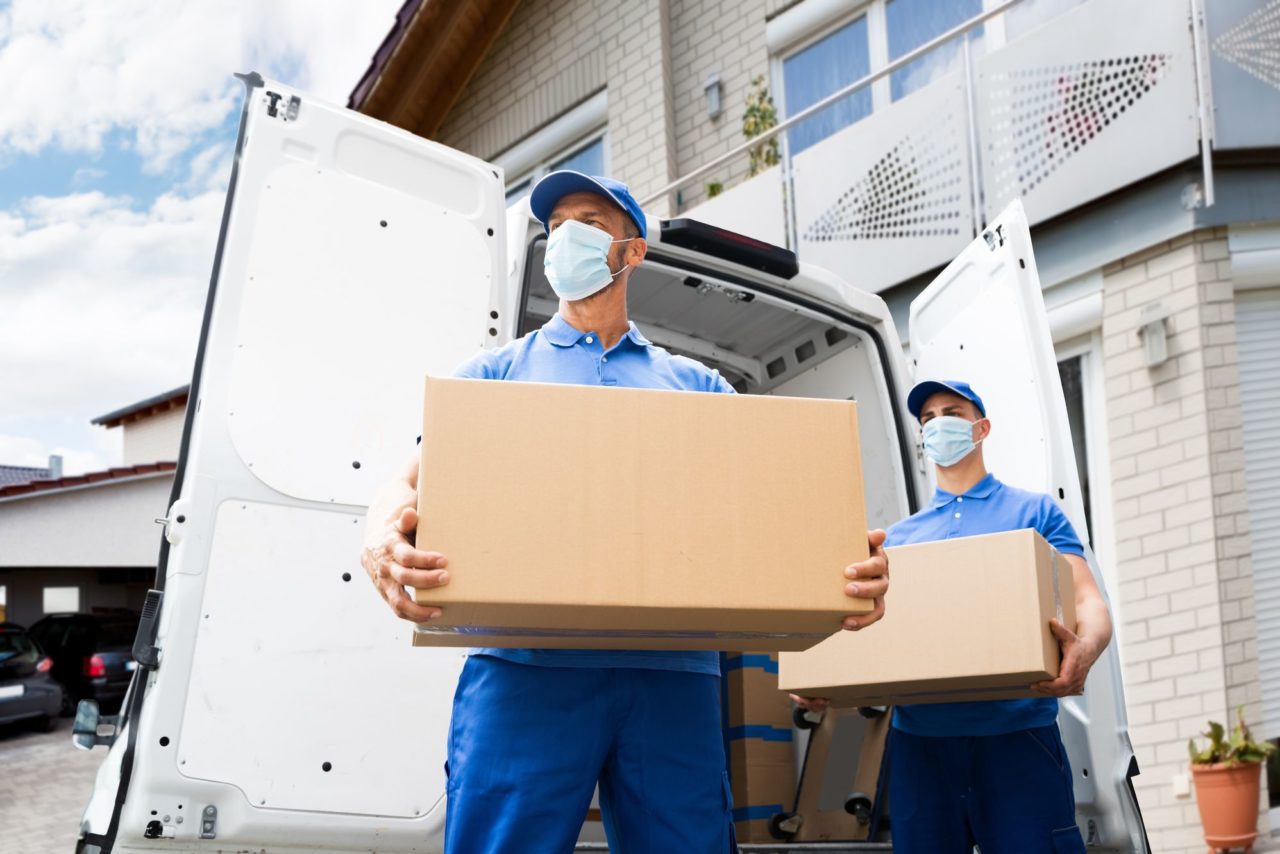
x: 481, y: 366
x: 1055, y: 527
x: 720, y: 385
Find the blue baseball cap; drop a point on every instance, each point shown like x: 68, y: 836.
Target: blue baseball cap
x: 556, y: 185
x: 924, y: 390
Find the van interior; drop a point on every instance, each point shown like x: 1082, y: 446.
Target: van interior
x: 762, y: 344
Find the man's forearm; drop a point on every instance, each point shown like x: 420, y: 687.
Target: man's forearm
x: 1093, y: 621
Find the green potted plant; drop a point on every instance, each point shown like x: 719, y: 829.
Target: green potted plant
x: 1227, y: 775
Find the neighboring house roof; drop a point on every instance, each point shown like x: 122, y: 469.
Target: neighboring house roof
x: 151, y: 406
x: 427, y: 59
x: 20, y: 474
x: 95, y: 477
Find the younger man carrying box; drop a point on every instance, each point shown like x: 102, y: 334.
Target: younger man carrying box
x: 993, y: 774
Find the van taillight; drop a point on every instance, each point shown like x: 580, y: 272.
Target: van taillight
x: 95, y: 666
x: 45, y: 665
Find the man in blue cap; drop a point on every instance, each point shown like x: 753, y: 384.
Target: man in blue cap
x: 534, y: 731
x: 995, y: 773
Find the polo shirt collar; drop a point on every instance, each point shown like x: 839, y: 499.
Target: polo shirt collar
x: 559, y: 332
x: 981, y: 489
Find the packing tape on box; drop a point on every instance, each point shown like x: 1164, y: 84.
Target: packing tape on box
x: 754, y: 661
x: 760, y: 731
x: 503, y: 631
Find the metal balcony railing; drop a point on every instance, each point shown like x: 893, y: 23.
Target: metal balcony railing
x: 1095, y: 99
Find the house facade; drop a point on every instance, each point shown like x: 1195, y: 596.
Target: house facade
x: 1143, y: 139
x: 89, y: 542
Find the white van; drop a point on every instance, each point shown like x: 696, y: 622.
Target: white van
x: 278, y: 705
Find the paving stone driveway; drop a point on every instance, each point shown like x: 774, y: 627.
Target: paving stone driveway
x: 44, y: 785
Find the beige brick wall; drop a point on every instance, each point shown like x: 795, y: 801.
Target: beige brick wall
x: 726, y: 38
x: 553, y: 55
x: 1186, y: 631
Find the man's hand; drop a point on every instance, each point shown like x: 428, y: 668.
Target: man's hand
x: 1078, y: 656
x: 811, y: 704
x: 870, y: 581
x: 393, y: 564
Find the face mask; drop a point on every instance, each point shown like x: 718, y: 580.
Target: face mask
x: 577, y: 260
x: 948, y: 439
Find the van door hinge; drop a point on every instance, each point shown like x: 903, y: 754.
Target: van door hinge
x: 175, y: 524
x: 209, y: 822
x: 291, y: 107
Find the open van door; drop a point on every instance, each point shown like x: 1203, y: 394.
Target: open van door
x: 983, y: 320
x: 280, y: 705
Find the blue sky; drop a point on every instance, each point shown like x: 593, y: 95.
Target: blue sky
x: 116, y: 135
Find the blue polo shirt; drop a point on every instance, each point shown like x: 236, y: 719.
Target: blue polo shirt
x: 559, y: 353
x: 989, y: 507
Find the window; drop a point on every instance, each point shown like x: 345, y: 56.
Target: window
x: 911, y: 23
x: 588, y: 159
x: 881, y: 31
x: 814, y: 72
x: 61, y: 599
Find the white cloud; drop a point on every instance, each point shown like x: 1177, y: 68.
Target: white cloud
x: 101, y: 296
x: 161, y: 72
x: 100, y: 302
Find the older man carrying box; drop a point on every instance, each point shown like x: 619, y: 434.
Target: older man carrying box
x: 534, y: 730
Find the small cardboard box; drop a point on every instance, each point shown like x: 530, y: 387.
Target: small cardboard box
x: 612, y: 518
x: 760, y: 741
x: 965, y: 619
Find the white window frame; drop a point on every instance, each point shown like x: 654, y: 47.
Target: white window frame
x: 531, y: 158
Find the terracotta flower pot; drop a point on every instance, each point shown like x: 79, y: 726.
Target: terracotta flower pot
x: 1228, y: 801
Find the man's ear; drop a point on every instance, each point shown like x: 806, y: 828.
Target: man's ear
x: 985, y: 430
x: 635, y: 251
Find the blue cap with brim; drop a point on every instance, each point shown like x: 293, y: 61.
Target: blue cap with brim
x: 924, y: 390
x: 556, y: 185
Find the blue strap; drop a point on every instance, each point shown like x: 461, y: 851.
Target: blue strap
x: 766, y: 733
x: 759, y: 662
x: 752, y: 813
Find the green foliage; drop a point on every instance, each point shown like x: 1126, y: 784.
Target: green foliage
x: 714, y: 188
x: 1238, y: 749
x: 761, y: 115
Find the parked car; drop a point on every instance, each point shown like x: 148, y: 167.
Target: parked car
x: 27, y: 690
x: 92, y: 655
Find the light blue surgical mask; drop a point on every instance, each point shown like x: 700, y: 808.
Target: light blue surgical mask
x: 948, y: 439
x: 577, y: 260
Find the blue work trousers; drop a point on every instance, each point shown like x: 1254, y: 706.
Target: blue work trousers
x: 528, y: 744
x: 1006, y: 794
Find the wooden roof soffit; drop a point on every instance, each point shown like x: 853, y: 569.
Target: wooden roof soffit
x: 438, y: 54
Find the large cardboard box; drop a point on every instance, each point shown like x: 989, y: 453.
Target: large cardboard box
x: 760, y: 743
x: 589, y: 517
x: 965, y: 619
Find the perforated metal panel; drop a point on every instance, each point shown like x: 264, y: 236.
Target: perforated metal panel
x: 1244, y: 39
x: 891, y: 195
x: 1099, y: 99
x: 1254, y: 44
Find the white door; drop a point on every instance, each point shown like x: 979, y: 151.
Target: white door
x: 983, y: 320
x: 288, y: 704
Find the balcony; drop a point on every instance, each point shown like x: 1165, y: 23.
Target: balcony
x: 1089, y: 101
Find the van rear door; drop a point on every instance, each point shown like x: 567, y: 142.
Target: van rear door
x: 288, y: 708
x: 983, y: 320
